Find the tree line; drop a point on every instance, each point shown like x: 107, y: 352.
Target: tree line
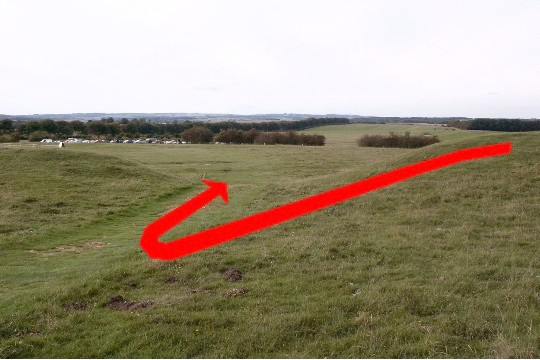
x: 203, y: 135
x: 109, y: 128
x: 510, y: 125
x: 234, y: 136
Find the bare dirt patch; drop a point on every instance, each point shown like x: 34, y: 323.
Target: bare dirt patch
x: 233, y: 274
x: 201, y: 291
x: 118, y: 303
x: 70, y: 249
x: 235, y: 292
x: 94, y: 245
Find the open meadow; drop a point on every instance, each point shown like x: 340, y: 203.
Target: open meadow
x: 443, y: 265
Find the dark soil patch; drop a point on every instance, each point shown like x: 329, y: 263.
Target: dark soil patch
x: 75, y: 306
x: 118, y: 303
x: 235, y: 292
x: 171, y: 279
x: 233, y: 274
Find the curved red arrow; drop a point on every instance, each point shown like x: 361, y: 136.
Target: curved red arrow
x: 238, y: 228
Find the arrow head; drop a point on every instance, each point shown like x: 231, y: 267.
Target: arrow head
x: 220, y: 188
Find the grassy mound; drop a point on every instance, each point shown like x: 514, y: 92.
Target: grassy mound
x: 52, y: 192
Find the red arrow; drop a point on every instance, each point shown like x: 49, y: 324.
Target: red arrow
x: 238, y: 228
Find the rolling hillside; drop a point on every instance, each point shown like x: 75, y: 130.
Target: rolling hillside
x: 444, y: 265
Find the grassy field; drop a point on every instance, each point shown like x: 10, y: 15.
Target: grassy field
x: 444, y: 265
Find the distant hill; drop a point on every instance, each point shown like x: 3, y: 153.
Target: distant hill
x: 171, y: 117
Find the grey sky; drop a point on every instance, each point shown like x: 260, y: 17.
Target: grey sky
x: 400, y: 58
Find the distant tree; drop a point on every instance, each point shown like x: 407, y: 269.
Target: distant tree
x: 130, y: 129
x: 64, y: 129
x: 6, y: 125
x: 250, y: 136
x: 79, y: 127
x: 230, y: 136
x: 97, y: 128
x: 197, y: 135
x: 32, y: 126
x: 114, y: 129
x: 146, y: 128
x: 49, y: 126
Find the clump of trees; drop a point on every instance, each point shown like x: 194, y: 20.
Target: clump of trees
x: 8, y: 132
x: 289, y: 138
x: 234, y: 136
x: 398, y: 141
x: 510, y: 125
x: 197, y: 135
x: 202, y: 135
x: 253, y: 136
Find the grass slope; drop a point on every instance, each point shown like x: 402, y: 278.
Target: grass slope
x: 444, y: 265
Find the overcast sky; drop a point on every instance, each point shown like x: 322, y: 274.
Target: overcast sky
x: 386, y: 58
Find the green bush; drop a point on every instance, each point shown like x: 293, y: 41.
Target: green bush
x: 40, y: 135
x: 397, y: 141
x: 8, y: 138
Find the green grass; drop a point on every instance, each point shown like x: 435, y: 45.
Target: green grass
x: 443, y: 265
